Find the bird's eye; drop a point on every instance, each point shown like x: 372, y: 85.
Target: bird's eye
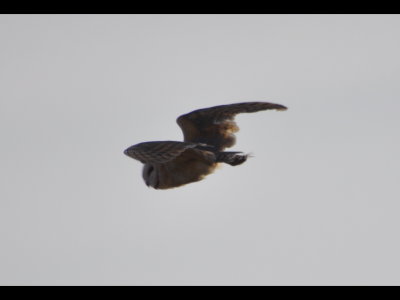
x: 150, y: 170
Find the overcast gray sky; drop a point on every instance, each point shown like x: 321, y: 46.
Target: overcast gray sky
x: 317, y: 204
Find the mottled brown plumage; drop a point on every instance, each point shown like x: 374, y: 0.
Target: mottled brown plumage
x: 207, y: 132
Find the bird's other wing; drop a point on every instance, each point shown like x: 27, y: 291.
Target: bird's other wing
x: 158, y: 152
x: 215, y: 125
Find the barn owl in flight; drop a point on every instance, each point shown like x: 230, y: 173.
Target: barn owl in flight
x: 207, y: 132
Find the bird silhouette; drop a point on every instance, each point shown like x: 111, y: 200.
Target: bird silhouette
x: 207, y: 132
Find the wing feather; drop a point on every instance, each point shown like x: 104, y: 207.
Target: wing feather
x: 215, y: 125
x: 158, y: 151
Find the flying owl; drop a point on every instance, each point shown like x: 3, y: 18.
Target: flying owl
x: 207, y: 132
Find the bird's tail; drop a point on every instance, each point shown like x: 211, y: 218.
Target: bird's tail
x: 232, y: 158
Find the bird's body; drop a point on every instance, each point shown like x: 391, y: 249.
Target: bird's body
x: 207, y: 132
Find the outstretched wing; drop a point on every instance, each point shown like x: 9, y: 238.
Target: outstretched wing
x: 158, y: 152
x: 215, y: 125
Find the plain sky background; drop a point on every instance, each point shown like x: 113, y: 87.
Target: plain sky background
x: 318, y: 204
